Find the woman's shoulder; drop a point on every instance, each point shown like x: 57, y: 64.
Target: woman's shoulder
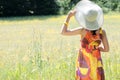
x: 103, y: 35
x: 103, y: 32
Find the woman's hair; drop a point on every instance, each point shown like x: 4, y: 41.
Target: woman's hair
x: 93, y: 32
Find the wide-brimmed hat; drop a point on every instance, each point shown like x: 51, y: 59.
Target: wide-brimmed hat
x: 89, y: 15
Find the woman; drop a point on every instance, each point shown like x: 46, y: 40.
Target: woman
x: 93, y: 40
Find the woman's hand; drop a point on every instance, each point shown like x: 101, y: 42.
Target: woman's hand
x: 71, y: 13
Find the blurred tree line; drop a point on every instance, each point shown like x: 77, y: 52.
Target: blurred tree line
x: 48, y: 7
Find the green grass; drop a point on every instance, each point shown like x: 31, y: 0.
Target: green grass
x: 31, y: 48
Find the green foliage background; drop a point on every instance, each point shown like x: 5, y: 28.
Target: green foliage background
x: 48, y: 7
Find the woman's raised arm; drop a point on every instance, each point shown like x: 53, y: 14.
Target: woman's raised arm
x: 65, y: 31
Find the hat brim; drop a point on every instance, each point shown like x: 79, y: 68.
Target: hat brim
x: 81, y: 9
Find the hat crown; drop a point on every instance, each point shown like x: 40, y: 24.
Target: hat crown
x: 91, y: 15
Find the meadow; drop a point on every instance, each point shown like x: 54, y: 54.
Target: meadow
x: 32, y: 48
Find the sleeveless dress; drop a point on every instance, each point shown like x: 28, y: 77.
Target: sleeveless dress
x: 89, y: 63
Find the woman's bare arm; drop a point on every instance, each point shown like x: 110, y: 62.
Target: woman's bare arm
x: 65, y: 30
x: 105, y: 43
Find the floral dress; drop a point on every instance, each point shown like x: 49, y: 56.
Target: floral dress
x: 89, y: 63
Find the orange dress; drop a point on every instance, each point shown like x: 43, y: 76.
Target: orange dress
x: 89, y: 63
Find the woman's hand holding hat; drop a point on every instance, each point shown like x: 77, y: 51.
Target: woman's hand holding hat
x: 71, y: 13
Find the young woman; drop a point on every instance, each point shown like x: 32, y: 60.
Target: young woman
x: 89, y: 64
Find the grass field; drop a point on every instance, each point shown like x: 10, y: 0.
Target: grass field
x: 31, y: 48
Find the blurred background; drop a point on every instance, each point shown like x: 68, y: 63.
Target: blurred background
x: 51, y: 7
x: 32, y: 48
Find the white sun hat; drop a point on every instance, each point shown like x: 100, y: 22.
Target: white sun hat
x: 89, y: 15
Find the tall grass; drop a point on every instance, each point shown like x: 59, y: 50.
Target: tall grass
x: 32, y: 48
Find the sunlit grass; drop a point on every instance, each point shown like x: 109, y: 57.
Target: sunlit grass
x: 32, y: 48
